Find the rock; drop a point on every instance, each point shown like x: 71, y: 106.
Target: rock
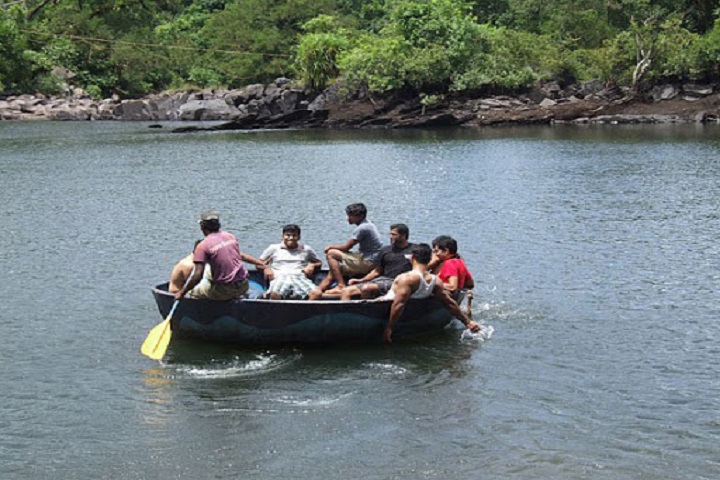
x: 106, y: 110
x: 664, y: 92
x: 251, y: 92
x: 132, y: 110
x: 288, y: 101
x: 68, y: 113
x: 547, y: 103
x: 62, y: 73
x: 697, y: 90
x: 590, y: 88
x: 486, y: 103
x: 282, y: 81
x: 272, y: 91
x: 216, y: 109
x: 700, y: 117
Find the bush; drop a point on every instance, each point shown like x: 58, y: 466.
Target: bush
x: 509, y: 60
x: 317, y: 51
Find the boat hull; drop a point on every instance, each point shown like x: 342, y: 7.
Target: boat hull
x: 297, y: 322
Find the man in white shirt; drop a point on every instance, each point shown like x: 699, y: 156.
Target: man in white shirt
x: 291, y: 266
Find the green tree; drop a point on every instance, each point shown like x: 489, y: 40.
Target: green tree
x: 253, y: 40
x: 15, y: 66
x: 709, y: 53
x: 655, y: 50
x: 507, y: 60
x: 420, y: 46
x: 317, y: 51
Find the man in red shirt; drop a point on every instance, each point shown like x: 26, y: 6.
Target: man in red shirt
x: 451, y: 269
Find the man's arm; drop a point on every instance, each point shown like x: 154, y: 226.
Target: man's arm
x: 311, y: 267
x: 345, y: 247
x: 267, y: 257
x: 403, y: 291
x: 441, y: 294
x: 255, y: 261
x: 451, y: 285
x: 372, y: 274
x: 435, y: 264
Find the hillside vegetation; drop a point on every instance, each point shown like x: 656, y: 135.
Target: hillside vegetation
x: 428, y: 48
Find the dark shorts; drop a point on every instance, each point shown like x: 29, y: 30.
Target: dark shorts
x: 383, y: 283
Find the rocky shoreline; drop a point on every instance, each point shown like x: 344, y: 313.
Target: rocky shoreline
x: 282, y: 104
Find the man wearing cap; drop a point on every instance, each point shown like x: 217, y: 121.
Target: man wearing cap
x: 221, y: 251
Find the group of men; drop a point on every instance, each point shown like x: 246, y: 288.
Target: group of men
x: 398, y: 272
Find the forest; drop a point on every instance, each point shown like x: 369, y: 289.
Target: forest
x: 132, y: 48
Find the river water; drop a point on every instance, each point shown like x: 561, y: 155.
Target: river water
x: 595, y: 253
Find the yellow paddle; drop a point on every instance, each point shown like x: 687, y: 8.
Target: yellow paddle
x: 158, y: 339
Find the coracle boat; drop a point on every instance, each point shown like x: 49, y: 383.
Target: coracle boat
x: 258, y: 321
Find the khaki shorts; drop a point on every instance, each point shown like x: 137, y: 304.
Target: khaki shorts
x: 354, y: 264
x: 220, y: 291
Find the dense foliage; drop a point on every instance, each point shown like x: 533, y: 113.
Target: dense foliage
x: 431, y: 47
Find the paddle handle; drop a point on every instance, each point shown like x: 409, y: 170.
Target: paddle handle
x: 177, y: 302
x: 469, y: 304
x: 172, y: 310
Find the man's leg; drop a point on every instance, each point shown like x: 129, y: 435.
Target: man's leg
x: 349, y: 292
x: 370, y: 290
x: 333, y: 259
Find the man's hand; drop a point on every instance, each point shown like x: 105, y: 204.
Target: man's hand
x: 269, y: 274
x: 309, y: 270
x: 472, y: 326
x: 387, y: 335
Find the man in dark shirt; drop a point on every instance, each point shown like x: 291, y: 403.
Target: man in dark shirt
x: 392, y: 260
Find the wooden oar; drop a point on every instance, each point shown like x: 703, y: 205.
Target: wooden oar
x: 158, y: 339
x: 469, y: 304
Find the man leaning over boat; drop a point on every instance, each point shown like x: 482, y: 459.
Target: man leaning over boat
x: 420, y: 283
x: 221, y: 251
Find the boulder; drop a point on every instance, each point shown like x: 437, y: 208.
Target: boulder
x: 664, y: 92
x: 67, y: 112
x: 133, y: 110
x: 216, y: 109
x: 251, y: 92
x: 288, y: 101
x: 697, y: 90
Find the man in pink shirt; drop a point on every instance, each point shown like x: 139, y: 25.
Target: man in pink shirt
x: 221, y: 251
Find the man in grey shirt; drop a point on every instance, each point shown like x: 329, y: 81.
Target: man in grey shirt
x: 341, y: 261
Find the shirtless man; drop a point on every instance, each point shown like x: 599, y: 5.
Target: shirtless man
x: 181, y: 272
x: 420, y: 283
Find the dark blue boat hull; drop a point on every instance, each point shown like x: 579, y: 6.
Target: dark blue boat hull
x: 301, y: 322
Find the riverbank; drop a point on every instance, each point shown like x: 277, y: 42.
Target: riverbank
x: 283, y: 104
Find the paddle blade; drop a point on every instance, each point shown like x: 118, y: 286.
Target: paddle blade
x: 157, y: 340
